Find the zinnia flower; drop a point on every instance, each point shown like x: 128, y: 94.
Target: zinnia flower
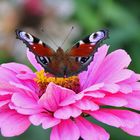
x: 107, y: 91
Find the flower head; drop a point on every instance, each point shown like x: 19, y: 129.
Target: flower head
x: 64, y: 103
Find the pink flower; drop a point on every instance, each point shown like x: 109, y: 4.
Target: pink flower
x: 39, y: 98
x: 15, y: 78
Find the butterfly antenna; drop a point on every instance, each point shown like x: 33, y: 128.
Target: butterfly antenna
x: 51, y: 39
x: 67, y: 36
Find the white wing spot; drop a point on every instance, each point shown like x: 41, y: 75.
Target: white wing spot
x: 81, y: 42
x: 40, y: 42
x: 26, y: 37
x: 99, y: 35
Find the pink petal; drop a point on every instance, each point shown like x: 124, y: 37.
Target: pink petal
x: 44, y: 119
x: 30, y: 84
x: 135, y: 131
x: 136, y: 86
x: 116, y: 77
x: 69, y: 99
x: 2, y: 103
x: 112, y: 101
x: 17, y: 68
x: 56, y: 96
x: 117, y: 118
x: 27, y: 100
x: 6, y: 87
x: 86, y: 104
x: 31, y: 58
x: 93, y: 91
x: 8, y: 75
x: 137, y: 75
x: 25, y: 111
x: 12, y: 123
x: 113, y: 66
x: 79, y: 96
x: 66, y: 130
x: 87, y: 77
x: 5, y: 99
x: 24, y: 103
x: 125, y: 88
x: 26, y: 76
x: 67, y: 112
x: 20, y: 75
x: 95, y: 94
x: 93, y: 88
x: 113, y: 88
x: 90, y: 131
x: 133, y: 100
x: 134, y: 77
x: 21, y: 86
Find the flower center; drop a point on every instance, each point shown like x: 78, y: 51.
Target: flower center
x: 43, y: 79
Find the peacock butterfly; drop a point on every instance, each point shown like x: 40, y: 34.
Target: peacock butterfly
x: 62, y: 63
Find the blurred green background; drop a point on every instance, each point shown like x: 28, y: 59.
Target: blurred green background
x: 55, y: 18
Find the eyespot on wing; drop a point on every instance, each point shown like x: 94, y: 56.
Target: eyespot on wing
x: 34, y: 44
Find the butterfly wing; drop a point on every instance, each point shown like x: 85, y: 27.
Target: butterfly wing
x: 87, y: 46
x: 42, y: 51
x: 83, y: 52
x: 34, y: 44
x: 66, y: 64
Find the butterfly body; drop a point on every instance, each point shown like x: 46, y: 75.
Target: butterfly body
x: 62, y: 63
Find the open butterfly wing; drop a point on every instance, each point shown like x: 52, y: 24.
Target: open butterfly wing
x: 81, y: 50
x: 88, y: 45
x: 34, y: 44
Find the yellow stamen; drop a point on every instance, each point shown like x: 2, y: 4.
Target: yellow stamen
x: 43, y: 80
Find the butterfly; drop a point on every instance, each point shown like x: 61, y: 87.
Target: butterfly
x: 62, y: 63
